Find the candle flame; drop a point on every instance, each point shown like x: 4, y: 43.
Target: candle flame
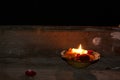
x: 79, y: 50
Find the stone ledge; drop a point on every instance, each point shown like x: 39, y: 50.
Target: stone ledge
x: 107, y: 75
x: 58, y: 74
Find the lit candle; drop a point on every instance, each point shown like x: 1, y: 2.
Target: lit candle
x: 79, y: 50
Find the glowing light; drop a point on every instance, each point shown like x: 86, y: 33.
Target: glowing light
x: 79, y: 50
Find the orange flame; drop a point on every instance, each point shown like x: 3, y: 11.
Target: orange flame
x: 79, y: 50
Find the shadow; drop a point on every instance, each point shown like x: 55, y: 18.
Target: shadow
x: 83, y: 74
x: 74, y: 74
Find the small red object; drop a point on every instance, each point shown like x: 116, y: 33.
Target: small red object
x: 90, y: 52
x: 77, y: 56
x: 84, y: 58
x: 30, y: 73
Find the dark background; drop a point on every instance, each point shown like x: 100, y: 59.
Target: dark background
x: 52, y: 13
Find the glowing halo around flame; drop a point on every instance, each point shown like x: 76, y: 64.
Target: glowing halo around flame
x: 79, y: 50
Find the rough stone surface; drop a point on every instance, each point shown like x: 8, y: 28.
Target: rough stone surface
x: 38, y: 41
x: 39, y: 49
x: 106, y: 75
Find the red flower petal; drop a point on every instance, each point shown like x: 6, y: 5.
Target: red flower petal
x: 30, y: 73
x: 77, y: 56
x: 90, y: 52
x: 84, y: 58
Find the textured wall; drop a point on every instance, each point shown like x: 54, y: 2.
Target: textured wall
x: 16, y: 43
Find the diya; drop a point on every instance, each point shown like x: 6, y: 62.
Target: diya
x: 80, y: 58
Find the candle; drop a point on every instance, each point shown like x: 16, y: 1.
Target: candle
x: 79, y: 54
x: 79, y: 50
x: 78, y: 57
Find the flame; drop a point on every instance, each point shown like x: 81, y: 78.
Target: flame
x: 79, y: 50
